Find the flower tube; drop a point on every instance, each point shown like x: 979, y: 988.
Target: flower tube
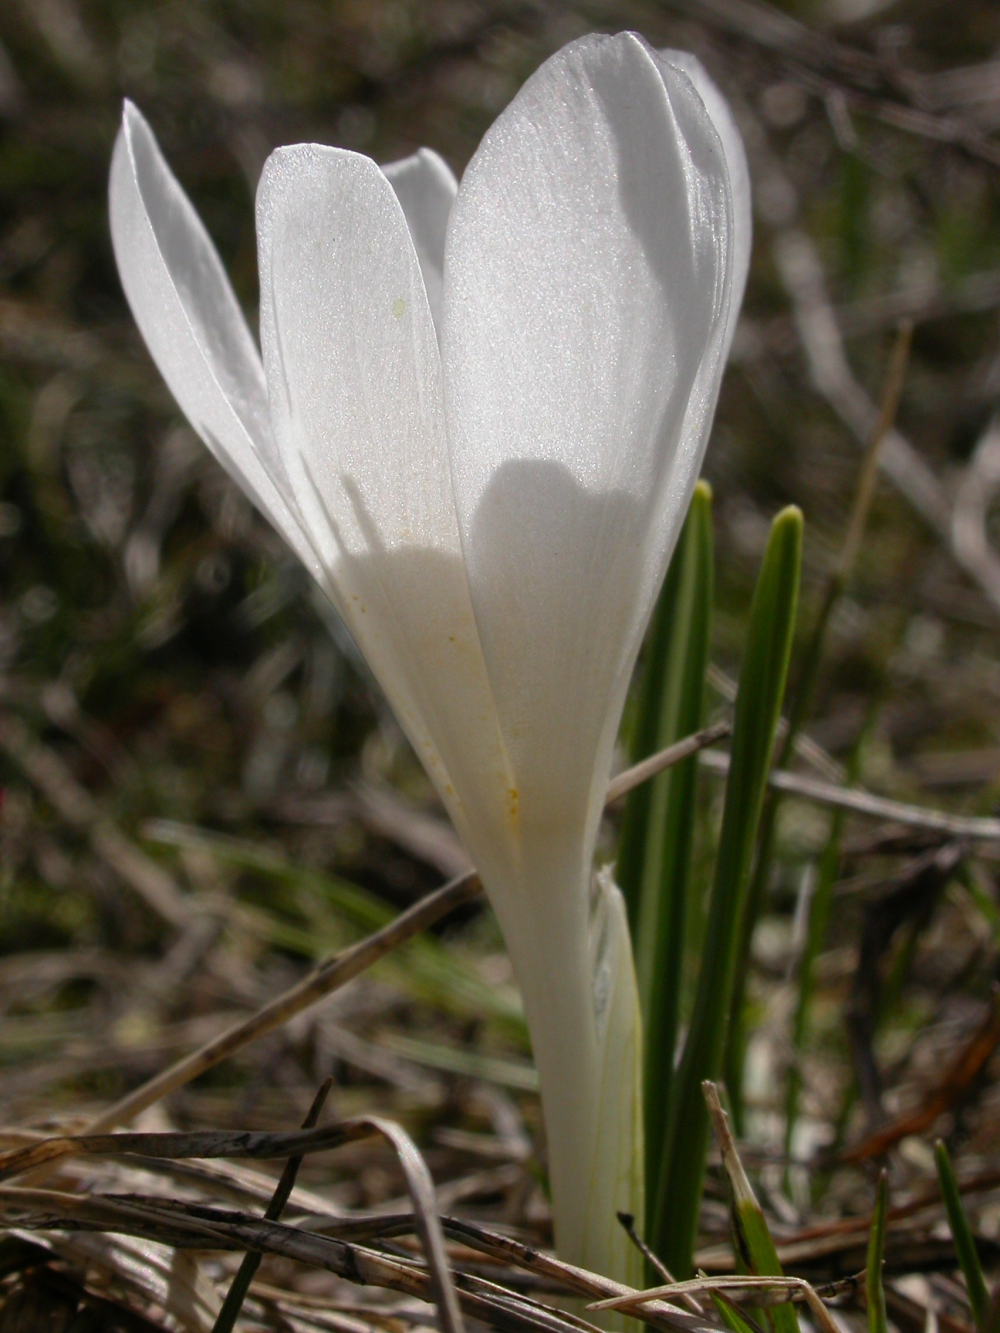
x: 478, y: 418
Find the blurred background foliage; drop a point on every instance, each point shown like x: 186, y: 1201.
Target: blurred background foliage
x: 182, y: 719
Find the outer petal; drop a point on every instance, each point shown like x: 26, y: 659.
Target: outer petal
x: 739, y: 171
x: 586, y: 305
x: 354, y: 383
x: 192, y: 323
x: 587, y: 297
x: 426, y: 187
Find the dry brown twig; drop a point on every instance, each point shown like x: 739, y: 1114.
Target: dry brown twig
x: 656, y: 763
x: 266, y: 1146
x: 233, y: 1303
x: 862, y: 802
x: 782, y: 1288
x: 195, y: 1226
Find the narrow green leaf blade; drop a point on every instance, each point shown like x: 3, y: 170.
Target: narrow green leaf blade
x: 232, y: 1305
x: 758, y: 704
x: 658, y: 834
x: 731, y: 1315
x: 965, y: 1243
x: 656, y: 705
x: 754, y: 1243
x: 875, y: 1291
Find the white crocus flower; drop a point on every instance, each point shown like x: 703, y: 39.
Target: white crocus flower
x: 478, y: 420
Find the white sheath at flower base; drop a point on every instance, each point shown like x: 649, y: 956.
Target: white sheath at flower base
x: 479, y: 419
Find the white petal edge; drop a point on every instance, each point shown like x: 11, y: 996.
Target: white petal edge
x: 425, y: 186
x: 191, y: 321
x: 739, y: 171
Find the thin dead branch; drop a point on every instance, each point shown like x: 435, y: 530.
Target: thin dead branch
x: 189, y: 1226
x: 240, y: 1285
x: 780, y: 1289
x: 866, y: 803
x: 674, y: 754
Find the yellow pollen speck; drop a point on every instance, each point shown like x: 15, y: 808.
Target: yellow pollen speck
x: 451, y: 638
x: 398, y: 308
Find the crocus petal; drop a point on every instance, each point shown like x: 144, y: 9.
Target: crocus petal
x: 587, y: 295
x: 193, y: 326
x: 493, y: 535
x: 426, y: 187
x: 354, y: 385
x: 738, y: 167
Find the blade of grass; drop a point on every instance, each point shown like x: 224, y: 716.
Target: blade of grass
x: 753, y: 1239
x: 732, y: 1316
x: 362, y: 909
x: 652, y: 719
x: 965, y: 1244
x: 237, y: 1293
x: 466, y: 1062
x: 676, y: 1202
x: 802, y: 700
x: 874, y: 1290
x: 657, y: 835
